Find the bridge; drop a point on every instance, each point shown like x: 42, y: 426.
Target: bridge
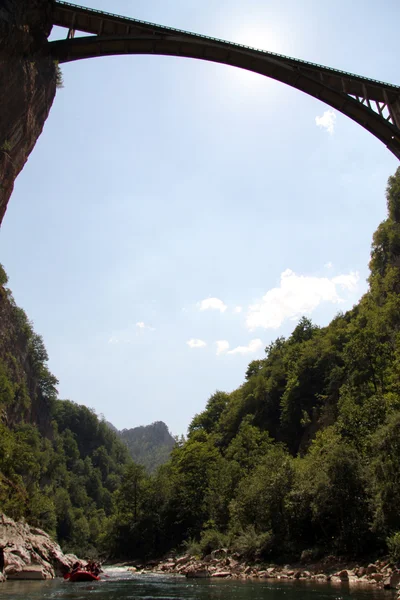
x: 374, y: 105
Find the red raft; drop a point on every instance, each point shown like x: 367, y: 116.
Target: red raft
x: 83, y: 576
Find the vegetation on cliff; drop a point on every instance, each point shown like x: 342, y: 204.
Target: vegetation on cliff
x: 148, y: 445
x: 303, y: 458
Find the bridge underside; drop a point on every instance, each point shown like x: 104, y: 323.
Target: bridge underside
x: 372, y: 104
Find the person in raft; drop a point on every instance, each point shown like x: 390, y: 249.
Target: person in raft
x: 93, y: 567
x: 75, y: 567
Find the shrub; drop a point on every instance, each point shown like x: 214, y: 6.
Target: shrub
x: 6, y: 146
x: 393, y: 543
x: 192, y: 547
x: 210, y: 540
x: 252, y: 545
x: 59, y: 76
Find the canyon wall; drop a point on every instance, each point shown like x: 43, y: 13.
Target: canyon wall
x: 29, y: 553
x: 27, y: 85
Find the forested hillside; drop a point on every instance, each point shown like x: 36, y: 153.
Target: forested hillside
x: 59, y: 465
x: 148, y: 445
x: 302, y: 459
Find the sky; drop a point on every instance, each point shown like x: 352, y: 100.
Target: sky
x: 176, y: 216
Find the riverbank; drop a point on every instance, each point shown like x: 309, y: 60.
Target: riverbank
x: 220, y: 564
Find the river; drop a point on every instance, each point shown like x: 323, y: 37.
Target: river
x: 119, y: 584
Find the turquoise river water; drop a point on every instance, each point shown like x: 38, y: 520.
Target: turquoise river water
x: 119, y: 584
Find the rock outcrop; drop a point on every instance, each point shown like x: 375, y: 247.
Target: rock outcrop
x: 29, y: 553
x: 220, y: 564
x: 27, y: 82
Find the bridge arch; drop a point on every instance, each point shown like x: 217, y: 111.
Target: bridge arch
x: 374, y: 105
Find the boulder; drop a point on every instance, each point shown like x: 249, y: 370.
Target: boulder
x: 220, y: 553
x: 394, y: 579
x: 12, y: 563
x: 29, y: 553
x: 183, y: 560
x: 221, y: 574
x: 248, y: 570
x: 197, y: 573
x: 233, y: 565
x: 32, y: 572
x: 386, y: 583
x: 297, y: 574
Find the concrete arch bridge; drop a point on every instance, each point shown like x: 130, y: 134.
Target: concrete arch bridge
x: 374, y: 105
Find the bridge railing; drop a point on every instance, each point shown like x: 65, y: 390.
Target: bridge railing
x: 234, y: 44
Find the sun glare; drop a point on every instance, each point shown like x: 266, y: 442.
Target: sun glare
x: 260, y: 38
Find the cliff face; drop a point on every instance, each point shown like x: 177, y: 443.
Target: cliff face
x: 29, y: 553
x: 27, y: 388
x: 148, y: 445
x: 27, y: 84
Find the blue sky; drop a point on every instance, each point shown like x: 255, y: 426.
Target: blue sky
x: 176, y: 215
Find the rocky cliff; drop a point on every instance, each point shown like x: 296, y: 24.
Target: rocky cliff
x: 148, y: 445
x: 27, y: 84
x: 29, y: 553
x: 31, y: 387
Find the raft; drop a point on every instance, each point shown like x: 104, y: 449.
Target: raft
x: 83, y: 576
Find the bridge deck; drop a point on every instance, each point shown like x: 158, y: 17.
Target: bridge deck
x: 102, y: 23
x: 375, y: 105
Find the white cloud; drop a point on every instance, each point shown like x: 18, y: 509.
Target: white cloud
x: 348, y: 282
x: 212, y: 304
x: 297, y: 295
x: 328, y: 265
x: 237, y: 309
x: 253, y: 346
x: 193, y: 343
x: 141, y: 325
x: 327, y: 121
x: 222, y: 346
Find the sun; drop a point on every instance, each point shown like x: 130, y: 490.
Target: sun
x: 259, y: 37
